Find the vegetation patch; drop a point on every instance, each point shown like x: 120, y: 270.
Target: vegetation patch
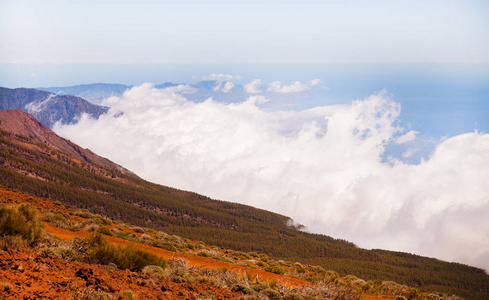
x: 126, y: 257
x: 20, y: 221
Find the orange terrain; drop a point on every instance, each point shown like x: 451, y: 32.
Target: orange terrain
x: 193, y: 260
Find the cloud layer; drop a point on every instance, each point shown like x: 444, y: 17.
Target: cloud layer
x: 221, y: 77
x: 322, y: 166
x: 253, y: 87
x: 297, y: 86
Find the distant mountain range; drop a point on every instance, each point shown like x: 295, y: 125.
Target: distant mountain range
x: 66, y: 104
x: 36, y: 161
x: 96, y: 92
x: 48, y: 107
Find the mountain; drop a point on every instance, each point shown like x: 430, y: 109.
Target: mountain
x: 19, y: 122
x: 224, y: 91
x: 94, y: 93
x: 41, y: 170
x: 167, y: 85
x: 48, y: 107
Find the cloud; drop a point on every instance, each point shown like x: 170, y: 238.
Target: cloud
x: 253, y: 87
x: 33, y: 75
x: 277, y: 86
x: 322, y: 166
x: 297, y: 86
x: 408, y: 137
x: 221, y: 77
x: 224, y: 87
x: 409, y: 152
x: 315, y: 82
x: 39, y: 105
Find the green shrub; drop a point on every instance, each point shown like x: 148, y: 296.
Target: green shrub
x: 238, y: 255
x: 20, y: 221
x: 127, y: 257
x: 82, y: 213
x: 126, y: 236
x: 129, y: 295
x: 239, y: 287
x: 293, y: 296
x: 138, y: 229
x: 275, y: 269
x: 264, y: 257
x: 104, y: 230
x: 203, y: 253
x: 103, y: 220
x: 260, y: 286
x: 57, y: 219
x: 156, y: 271
x: 262, y: 264
x: 272, y: 294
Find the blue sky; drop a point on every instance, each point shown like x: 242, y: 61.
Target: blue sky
x: 352, y: 31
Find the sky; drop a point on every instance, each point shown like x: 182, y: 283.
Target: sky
x: 363, y: 120
x: 197, y: 32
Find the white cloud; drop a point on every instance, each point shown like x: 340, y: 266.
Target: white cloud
x: 228, y: 86
x: 277, y: 86
x: 327, y: 174
x: 33, y: 75
x: 315, y: 82
x: 409, y: 152
x: 221, y: 77
x: 408, y: 137
x: 217, y: 88
x: 253, y: 87
x: 38, y: 106
x: 257, y: 100
x: 297, y: 86
x: 224, y: 87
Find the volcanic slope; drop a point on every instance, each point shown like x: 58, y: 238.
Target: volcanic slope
x: 62, y: 260
x: 42, y: 171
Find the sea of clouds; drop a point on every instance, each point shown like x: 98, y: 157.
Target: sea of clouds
x: 324, y: 167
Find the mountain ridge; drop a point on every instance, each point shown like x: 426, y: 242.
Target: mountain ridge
x: 20, y: 122
x: 48, y: 107
x: 95, y: 93
x: 92, y: 92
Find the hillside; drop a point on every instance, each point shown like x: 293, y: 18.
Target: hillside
x: 57, y: 251
x: 48, y: 107
x: 42, y: 171
x: 19, y: 122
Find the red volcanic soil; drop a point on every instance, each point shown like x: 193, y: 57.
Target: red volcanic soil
x: 193, y: 260
x: 25, y: 274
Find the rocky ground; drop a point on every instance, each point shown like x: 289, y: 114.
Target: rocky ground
x: 26, y: 274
